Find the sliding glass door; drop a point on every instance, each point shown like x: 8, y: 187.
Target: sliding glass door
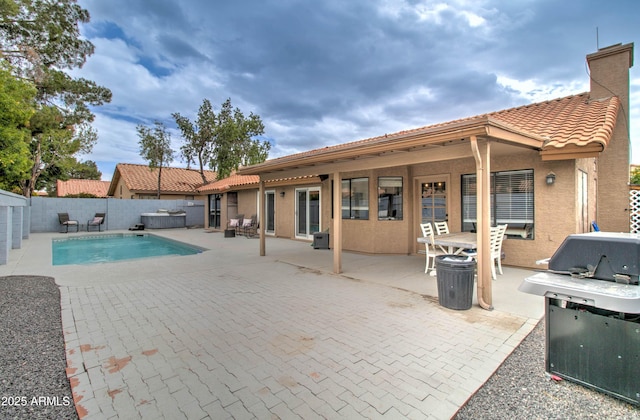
x: 270, y: 212
x: 307, y: 217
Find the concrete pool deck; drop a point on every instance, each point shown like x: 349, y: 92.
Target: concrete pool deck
x: 230, y: 334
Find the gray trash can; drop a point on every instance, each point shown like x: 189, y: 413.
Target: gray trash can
x: 321, y: 240
x: 454, y: 274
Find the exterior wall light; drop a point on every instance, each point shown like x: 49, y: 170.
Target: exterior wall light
x: 551, y: 178
x: 281, y: 193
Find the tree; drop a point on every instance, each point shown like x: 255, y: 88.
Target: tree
x: 66, y: 169
x: 635, y: 176
x: 199, y: 136
x: 39, y: 39
x: 16, y: 108
x: 223, y: 141
x: 155, y: 147
x: 85, y: 170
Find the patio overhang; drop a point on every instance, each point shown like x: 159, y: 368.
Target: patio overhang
x: 470, y: 138
x: 431, y: 144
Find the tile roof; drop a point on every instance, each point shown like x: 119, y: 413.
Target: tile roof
x: 233, y: 180
x: 571, y: 122
x: 140, y: 178
x: 78, y: 186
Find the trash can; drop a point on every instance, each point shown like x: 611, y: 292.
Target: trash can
x: 454, y: 274
x: 320, y: 240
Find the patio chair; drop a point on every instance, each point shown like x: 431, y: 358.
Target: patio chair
x: 98, y: 220
x: 497, y: 237
x: 442, y: 228
x: 430, y: 248
x: 63, y: 219
x: 250, y: 226
x: 495, y: 246
x: 235, y: 223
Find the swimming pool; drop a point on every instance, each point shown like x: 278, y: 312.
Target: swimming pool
x: 93, y: 249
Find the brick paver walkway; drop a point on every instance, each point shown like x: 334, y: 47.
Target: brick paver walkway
x: 247, y: 337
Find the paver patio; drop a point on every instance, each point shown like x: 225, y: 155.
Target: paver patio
x: 229, y: 334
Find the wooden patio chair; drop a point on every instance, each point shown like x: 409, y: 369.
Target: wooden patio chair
x: 497, y: 237
x: 430, y: 248
x: 63, y: 219
x: 442, y: 228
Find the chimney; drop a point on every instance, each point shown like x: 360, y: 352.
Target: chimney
x: 609, y: 70
x: 609, y: 76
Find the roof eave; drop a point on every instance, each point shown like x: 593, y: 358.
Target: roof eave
x: 439, y: 135
x: 572, y: 152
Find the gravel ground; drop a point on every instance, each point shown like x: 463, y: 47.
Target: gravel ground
x: 521, y: 389
x: 33, y: 381
x: 32, y: 365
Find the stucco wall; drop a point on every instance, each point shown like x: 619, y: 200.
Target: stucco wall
x: 555, y: 206
x: 121, y: 214
x: 556, y: 211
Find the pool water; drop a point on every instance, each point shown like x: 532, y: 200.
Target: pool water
x: 116, y: 247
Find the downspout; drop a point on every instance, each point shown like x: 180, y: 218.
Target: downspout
x: 479, y: 214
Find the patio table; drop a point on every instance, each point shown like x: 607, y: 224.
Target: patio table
x: 455, y: 242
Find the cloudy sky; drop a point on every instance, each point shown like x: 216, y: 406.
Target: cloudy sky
x: 325, y: 72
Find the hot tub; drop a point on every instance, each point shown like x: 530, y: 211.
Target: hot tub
x: 163, y: 220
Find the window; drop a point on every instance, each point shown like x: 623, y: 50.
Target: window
x: 355, y: 198
x: 232, y: 204
x: 390, y: 198
x: 511, y: 202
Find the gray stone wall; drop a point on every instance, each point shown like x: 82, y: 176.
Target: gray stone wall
x: 120, y: 214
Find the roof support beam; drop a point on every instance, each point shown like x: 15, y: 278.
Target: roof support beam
x: 337, y: 223
x: 261, y: 218
x: 457, y: 151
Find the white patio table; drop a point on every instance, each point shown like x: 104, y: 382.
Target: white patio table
x: 455, y: 242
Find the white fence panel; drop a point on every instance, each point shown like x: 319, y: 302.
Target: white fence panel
x: 634, y: 207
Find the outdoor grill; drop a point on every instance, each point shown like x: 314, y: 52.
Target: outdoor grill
x: 592, y: 312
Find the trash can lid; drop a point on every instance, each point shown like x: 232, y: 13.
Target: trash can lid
x: 454, y: 258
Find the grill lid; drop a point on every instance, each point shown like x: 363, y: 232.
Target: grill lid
x: 599, y: 255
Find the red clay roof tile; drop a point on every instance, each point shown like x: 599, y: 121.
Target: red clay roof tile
x: 79, y: 186
x: 570, y: 121
x: 140, y: 178
x: 233, y: 180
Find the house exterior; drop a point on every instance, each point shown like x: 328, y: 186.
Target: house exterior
x: 229, y: 197
x: 132, y: 181
x: 74, y: 187
x: 547, y: 170
x: 239, y: 194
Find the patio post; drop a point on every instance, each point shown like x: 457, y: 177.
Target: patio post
x: 483, y: 199
x: 261, y: 218
x: 337, y: 223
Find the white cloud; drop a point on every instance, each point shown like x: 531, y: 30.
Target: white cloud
x: 539, y: 91
x: 330, y: 72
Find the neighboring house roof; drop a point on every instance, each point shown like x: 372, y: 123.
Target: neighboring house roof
x: 80, y: 186
x: 574, y: 126
x: 233, y: 181
x: 142, y: 179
